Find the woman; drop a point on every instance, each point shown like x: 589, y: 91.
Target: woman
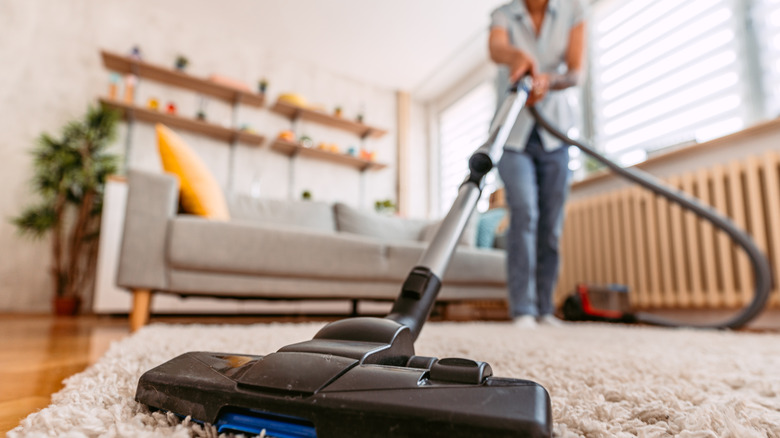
x: 545, y: 39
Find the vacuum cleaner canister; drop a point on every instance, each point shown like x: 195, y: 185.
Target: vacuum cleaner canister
x: 608, y: 303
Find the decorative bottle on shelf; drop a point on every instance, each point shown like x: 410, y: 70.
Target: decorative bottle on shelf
x: 135, y: 53
x: 130, y: 81
x: 181, y: 62
x: 361, y: 114
x: 201, y: 114
x: 113, y: 86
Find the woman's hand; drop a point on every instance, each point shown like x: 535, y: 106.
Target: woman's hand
x: 520, y: 65
x: 539, y: 88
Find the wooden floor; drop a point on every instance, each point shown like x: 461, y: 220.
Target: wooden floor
x: 38, y: 351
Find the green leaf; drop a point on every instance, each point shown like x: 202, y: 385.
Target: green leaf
x: 36, y: 221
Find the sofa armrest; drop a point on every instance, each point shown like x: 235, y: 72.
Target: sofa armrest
x: 152, y: 201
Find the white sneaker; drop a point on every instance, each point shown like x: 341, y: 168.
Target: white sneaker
x: 524, y: 322
x: 551, y: 321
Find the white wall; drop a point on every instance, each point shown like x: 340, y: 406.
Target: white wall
x: 50, y: 70
x: 418, y: 163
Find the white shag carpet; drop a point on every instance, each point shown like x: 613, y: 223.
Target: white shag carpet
x: 604, y: 380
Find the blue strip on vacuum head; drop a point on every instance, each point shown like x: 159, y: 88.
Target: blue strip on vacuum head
x: 274, y: 426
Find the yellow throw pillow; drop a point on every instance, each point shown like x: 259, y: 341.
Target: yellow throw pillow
x: 200, y: 193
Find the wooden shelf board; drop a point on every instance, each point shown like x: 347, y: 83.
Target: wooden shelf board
x: 292, y: 149
x: 124, y: 64
x: 293, y: 112
x: 173, y: 121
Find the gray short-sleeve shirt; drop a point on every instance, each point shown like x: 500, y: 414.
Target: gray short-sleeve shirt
x: 549, y: 52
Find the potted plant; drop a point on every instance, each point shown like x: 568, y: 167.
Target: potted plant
x: 386, y: 206
x: 262, y: 85
x: 69, y: 175
x: 181, y: 62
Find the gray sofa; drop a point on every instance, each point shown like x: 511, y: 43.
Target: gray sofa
x: 275, y: 249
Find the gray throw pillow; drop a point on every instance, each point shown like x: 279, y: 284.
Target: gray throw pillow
x: 308, y: 214
x: 366, y: 223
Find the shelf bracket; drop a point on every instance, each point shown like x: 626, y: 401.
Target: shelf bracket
x: 362, y: 194
x: 291, y: 175
x: 233, y: 145
x: 295, y: 123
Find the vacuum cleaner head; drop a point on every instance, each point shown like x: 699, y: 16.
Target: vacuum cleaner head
x: 358, y: 377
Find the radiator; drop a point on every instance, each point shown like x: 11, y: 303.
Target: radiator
x: 667, y: 256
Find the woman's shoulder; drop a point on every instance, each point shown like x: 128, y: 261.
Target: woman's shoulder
x: 578, y: 9
x: 507, y: 9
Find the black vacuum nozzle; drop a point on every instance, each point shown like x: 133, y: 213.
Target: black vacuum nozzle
x: 348, y: 388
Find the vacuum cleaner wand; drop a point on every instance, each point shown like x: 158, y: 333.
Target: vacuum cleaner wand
x: 421, y: 287
x: 761, y: 269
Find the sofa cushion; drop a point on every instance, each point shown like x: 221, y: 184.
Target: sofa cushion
x: 309, y: 214
x: 245, y: 248
x: 386, y: 228
x: 193, y: 283
x: 467, y: 238
x: 467, y: 266
x: 199, y: 191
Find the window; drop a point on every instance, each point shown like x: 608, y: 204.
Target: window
x: 766, y: 19
x: 662, y: 74
x: 463, y: 127
x: 665, y: 73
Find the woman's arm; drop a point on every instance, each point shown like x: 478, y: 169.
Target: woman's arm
x: 503, y: 52
x: 519, y: 62
x: 575, y: 60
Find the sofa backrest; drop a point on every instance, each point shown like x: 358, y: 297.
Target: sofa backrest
x: 329, y: 218
x: 392, y: 228
x: 467, y: 238
x: 308, y: 214
x: 366, y: 223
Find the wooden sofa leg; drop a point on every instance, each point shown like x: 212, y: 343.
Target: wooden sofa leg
x: 142, y: 301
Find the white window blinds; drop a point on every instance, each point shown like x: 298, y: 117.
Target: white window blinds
x: 463, y: 127
x: 664, y: 73
x: 766, y: 17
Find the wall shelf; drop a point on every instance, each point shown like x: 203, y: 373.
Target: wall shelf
x: 236, y: 96
x: 127, y: 65
x: 294, y: 112
x: 173, y: 121
x: 293, y: 149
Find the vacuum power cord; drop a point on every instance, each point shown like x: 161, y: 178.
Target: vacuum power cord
x: 761, y: 270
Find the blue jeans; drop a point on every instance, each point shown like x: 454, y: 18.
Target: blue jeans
x: 536, y: 184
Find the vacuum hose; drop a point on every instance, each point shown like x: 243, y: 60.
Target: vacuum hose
x: 761, y: 269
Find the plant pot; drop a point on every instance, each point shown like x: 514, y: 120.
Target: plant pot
x: 66, y: 306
